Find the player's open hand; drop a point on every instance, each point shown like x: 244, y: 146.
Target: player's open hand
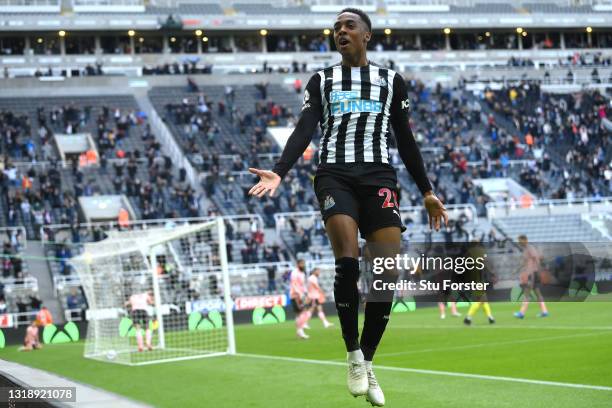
x: 268, y: 181
x: 436, y: 210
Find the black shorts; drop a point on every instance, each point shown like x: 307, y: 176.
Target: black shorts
x: 367, y: 192
x: 314, y: 302
x: 140, y: 317
x: 297, y: 307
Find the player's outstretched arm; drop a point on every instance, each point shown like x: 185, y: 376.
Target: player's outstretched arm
x: 296, y: 144
x: 411, y: 155
x: 436, y: 210
x: 268, y: 182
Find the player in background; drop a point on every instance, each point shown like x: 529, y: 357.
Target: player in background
x: 485, y: 275
x: 297, y: 290
x: 441, y: 275
x: 316, y: 296
x: 138, y: 304
x: 442, y: 307
x: 530, y: 277
x: 357, y: 103
x: 32, y: 339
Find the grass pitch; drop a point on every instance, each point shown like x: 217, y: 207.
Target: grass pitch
x: 564, y: 360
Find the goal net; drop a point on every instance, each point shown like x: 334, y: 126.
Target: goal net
x: 158, y: 294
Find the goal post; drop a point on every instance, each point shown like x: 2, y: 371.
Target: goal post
x: 183, y: 269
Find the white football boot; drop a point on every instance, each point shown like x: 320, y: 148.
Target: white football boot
x: 357, y: 378
x: 375, y: 395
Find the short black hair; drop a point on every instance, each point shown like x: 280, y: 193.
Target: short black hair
x: 360, y: 13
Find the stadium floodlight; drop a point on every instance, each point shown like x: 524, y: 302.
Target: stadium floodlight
x: 447, y: 31
x: 61, y: 33
x: 198, y: 33
x: 327, y: 31
x: 182, y: 270
x: 589, y: 29
x: 387, y: 31
x: 205, y: 39
x: 519, y: 30
x: 263, y: 32
x: 131, y: 33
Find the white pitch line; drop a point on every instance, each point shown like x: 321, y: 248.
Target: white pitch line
x: 478, y: 345
x: 433, y: 372
x: 500, y: 326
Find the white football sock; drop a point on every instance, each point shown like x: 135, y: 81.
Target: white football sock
x: 356, y: 355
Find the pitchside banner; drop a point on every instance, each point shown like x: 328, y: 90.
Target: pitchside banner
x: 239, y: 303
x: 475, y: 271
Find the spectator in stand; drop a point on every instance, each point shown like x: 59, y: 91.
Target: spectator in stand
x: 74, y: 300
x: 44, y: 316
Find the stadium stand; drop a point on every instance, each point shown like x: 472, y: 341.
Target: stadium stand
x: 232, y: 122
x: 485, y: 8
x: 540, y: 229
x: 264, y: 8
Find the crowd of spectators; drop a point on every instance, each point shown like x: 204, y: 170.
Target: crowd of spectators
x: 35, y: 193
x: 569, y: 129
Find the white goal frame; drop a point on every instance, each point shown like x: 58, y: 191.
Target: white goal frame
x: 147, y: 243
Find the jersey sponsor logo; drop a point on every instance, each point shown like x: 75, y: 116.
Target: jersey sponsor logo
x: 406, y: 104
x: 339, y: 96
x: 356, y: 106
x: 328, y: 203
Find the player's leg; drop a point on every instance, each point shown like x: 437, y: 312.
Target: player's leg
x: 342, y: 232
x: 340, y: 210
x: 543, y: 308
x: 384, y: 242
x: 319, y: 309
x: 148, y: 334
x: 527, y: 295
x: 442, y: 304
x: 454, y: 311
x: 488, y: 312
x: 305, y: 315
x: 471, y: 312
x: 139, y: 340
x: 296, y: 303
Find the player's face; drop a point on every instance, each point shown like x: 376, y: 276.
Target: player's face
x: 351, y: 34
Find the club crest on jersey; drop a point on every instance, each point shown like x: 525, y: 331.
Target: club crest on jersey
x: 328, y: 203
x: 380, y: 81
x: 306, y: 104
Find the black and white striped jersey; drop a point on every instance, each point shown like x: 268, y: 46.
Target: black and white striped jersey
x: 356, y: 106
